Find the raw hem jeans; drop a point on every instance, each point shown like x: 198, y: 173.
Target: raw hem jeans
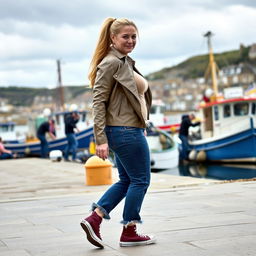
x: 133, y: 162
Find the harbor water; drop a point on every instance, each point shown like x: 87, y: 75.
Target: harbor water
x: 214, y: 171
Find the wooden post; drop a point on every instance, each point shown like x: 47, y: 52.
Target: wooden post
x: 212, y: 65
x: 60, y: 87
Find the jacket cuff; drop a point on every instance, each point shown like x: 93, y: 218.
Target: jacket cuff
x: 100, y: 137
x: 101, y: 140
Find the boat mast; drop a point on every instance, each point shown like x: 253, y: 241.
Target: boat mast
x: 212, y: 66
x: 60, y: 87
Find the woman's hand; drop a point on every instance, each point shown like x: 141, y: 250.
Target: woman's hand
x: 102, y: 151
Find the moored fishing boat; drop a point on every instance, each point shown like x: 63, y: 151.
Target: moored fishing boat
x: 84, y: 136
x: 228, y: 131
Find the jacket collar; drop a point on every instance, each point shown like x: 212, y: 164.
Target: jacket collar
x: 120, y: 55
x: 125, y: 75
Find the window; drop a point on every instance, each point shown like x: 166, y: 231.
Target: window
x: 83, y: 117
x: 253, y: 108
x: 241, y: 109
x: 58, y: 119
x: 153, y: 110
x: 216, y: 113
x: 226, y: 111
x: 165, y: 141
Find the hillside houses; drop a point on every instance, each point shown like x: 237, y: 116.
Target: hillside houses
x: 179, y: 94
x: 242, y: 74
x: 252, y: 52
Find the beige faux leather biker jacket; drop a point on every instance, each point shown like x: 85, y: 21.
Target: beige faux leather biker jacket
x: 115, y: 95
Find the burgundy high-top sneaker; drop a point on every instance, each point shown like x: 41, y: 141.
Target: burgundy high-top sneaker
x: 130, y: 237
x: 91, y: 226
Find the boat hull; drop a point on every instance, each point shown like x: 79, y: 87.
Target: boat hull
x: 239, y: 147
x: 164, y: 160
x: 83, y: 137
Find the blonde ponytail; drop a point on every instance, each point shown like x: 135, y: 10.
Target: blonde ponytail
x: 102, y: 48
x: 109, y: 26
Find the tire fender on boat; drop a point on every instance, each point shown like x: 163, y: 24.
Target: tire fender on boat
x: 27, y: 151
x: 192, y: 155
x: 201, y: 156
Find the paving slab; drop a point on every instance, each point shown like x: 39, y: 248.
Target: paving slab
x: 189, y: 216
x: 198, y: 221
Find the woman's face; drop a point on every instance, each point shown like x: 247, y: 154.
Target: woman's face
x: 125, y: 40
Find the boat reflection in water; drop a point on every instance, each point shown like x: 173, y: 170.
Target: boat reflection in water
x: 219, y: 172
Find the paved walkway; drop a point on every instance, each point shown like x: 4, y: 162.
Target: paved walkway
x: 41, y: 204
x: 37, y: 178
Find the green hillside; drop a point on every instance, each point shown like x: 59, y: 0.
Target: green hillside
x: 196, y: 66
x: 24, y: 96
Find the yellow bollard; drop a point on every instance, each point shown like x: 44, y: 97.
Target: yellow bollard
x: 98, y: 171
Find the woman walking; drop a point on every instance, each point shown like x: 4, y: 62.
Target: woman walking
x: 121, y: 104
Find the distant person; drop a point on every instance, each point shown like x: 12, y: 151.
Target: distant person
x: 5, y: 153
x: 46, y: 127
x: 70, y: 127
x: 183, y: 134
x: 206, y: 99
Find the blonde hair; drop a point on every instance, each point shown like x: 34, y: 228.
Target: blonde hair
x: 110, y: 26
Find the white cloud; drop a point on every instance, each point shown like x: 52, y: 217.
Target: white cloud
x: 42, y: 41
x: 33, y: 34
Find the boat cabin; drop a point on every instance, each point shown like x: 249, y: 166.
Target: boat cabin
x: 7, y: 127
x: 227, y: 116
x: 8, y: 133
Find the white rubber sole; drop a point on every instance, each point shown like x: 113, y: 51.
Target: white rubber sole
x: 91, y: 236
x: 152, y: 240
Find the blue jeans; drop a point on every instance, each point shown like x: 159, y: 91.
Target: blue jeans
x: 184, y: 148
x: 6, y: 156
x: 133, y: 163
x: 71, y: 147
x: 44, y: 146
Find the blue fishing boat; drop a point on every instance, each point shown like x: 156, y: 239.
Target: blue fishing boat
x: 30, y: 148
x: 33, y: 148
x: 84, y: 138
x: 228, y: 131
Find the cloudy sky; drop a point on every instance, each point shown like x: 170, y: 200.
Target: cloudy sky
x: 34, y: 33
